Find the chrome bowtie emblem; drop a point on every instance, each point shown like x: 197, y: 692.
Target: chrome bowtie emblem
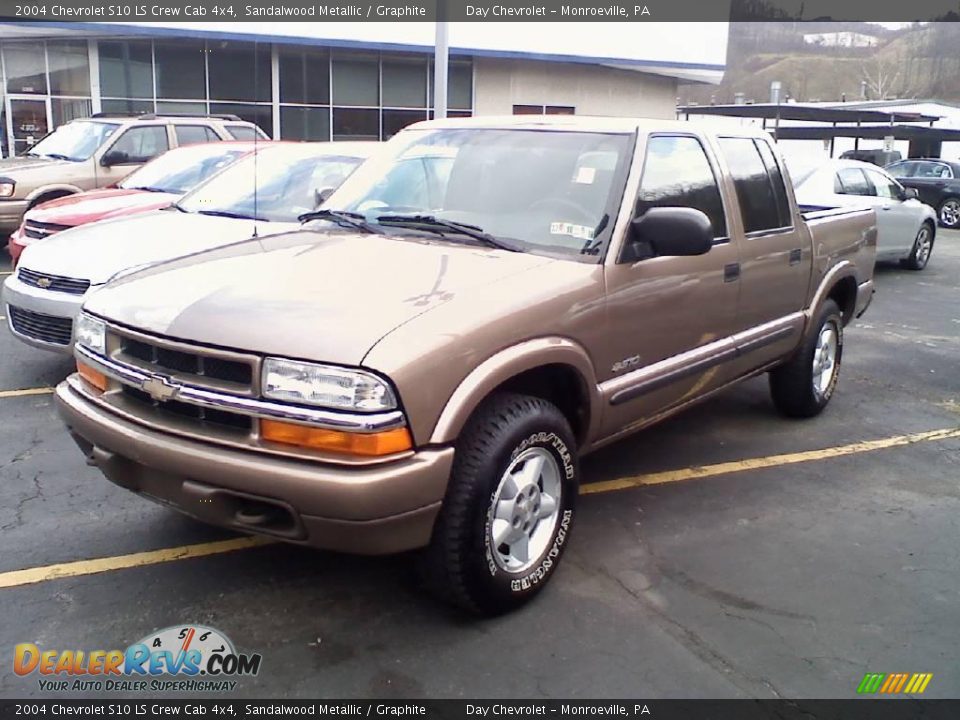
x: 44, y: 282
x: 160, y: 388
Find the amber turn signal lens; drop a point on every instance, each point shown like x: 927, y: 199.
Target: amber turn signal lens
x: 94, y: 377
x: 375, y: 444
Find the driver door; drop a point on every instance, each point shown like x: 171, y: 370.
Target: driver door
x: 129, y: 150
x: 665, y: 311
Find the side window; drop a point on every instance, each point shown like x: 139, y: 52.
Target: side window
x: 853, y: 182
x: 755, y: 187
x: 776, y: 178
x: 192, y: 134
x: 676, y: 173
x: 243, y: 132
x: 884, y: 186
x: 140, y: 144
x: 903, y: 169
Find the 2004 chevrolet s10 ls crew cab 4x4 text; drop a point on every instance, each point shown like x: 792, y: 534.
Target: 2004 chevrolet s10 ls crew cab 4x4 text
x: 470, y: 313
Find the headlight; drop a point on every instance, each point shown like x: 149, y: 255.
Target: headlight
x: 7, y: 187
x: 326, y: 386
x: 91, y: 333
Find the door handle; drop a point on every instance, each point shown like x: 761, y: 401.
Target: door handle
x: 796, y: 255
x: 731, y: 272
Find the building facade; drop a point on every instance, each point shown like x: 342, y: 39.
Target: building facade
x: 364, y: 84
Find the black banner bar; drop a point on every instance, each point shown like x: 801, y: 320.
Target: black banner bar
x: 859, y: 709
x: 225, y: 11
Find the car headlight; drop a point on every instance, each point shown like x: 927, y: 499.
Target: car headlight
x: 7, y: 187
x: 91, y: 333
x: 325, y: 386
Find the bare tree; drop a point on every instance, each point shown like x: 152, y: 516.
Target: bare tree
x: 885, y: 77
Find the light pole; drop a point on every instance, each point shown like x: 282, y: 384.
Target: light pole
x: 440, y: 53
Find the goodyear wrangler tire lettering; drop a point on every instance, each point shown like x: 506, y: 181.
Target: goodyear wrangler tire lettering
x: 509, y: 507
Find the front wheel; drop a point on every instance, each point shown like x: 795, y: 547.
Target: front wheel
x: 949, y: 213
x: 922, y: 248
x: 803, y: 386
x: 509, y: 507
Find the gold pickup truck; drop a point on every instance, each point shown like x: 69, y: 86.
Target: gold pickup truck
x: 423, y: 365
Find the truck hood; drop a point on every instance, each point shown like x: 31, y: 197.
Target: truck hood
x: 98, y: 251
x: 316, y: 296
x: 18, y: 164
x: 96, y: 205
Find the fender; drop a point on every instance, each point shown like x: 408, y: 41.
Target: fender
x: 46, y: 189
x: 508, y: 363
x: 841, y: 270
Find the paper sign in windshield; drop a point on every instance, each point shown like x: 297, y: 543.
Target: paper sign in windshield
x: 578, y: 231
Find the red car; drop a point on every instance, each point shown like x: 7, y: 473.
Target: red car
x: 151, y: 187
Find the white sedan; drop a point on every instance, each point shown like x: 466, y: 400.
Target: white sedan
x: 905, y: 226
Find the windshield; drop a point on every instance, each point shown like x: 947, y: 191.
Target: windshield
x: 288, y: 181
x: 181, y: 170
x: 76, y: 140
x: 540, y: 191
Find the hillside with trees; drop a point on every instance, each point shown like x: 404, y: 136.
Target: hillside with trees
x: 918, y: 61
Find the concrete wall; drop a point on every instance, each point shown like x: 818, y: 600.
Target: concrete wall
x: 499, y: 84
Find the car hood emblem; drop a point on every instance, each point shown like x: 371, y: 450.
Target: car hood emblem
x: 160, y: 388
x: 44, y: 282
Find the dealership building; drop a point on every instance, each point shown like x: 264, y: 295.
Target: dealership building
x: 341, y: 80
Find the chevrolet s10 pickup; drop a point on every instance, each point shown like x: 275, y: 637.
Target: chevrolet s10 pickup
x: 424, y: 363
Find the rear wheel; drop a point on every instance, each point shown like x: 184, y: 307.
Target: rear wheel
x: 922, y: 248
x: 803, y: 386
x: 949, y: 213
x: 509, y: 506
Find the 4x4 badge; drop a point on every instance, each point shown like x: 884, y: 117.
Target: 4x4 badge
x: 159, y: 388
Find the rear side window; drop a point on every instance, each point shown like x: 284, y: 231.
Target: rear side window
x: 755, y: 187
x: 852, y: 181
x: 933, y: 170
x: 883, y: 186
x: 677, y: 173
x: 192, y: 134
x: 776, y: 178
x: 243, y: 132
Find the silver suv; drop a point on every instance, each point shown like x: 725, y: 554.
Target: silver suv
x: 99, y: 151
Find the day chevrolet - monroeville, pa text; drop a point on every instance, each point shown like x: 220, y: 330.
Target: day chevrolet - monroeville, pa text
x: 422, y: 366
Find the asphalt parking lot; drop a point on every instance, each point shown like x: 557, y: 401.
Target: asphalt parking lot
x: 793, y: 561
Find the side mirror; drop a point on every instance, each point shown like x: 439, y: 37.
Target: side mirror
x: 670, y: 231
x: 114, y: 157
x: 320, y: 195
x: 910, y: 194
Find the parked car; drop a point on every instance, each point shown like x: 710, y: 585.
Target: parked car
x: 428, y: 372
x: 937, y: 182
x: 874, y: 157
x: 262, y: 193
x: 906, y: 227
x: 99, y: 151
x: 153, y: 186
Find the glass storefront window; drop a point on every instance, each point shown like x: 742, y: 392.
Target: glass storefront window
x: 181, y: 108
x: 26, y: 68
x: 181, y: 70
x: 305, y: 123
x: 67, y: 109
x: 396, y: 120
x: 459, y: 85
x: 304, y: 76
x: 131, y: 107
x: 69, y: 64
x: 356, y: 124
x: 126, y: 69
x: 405, y: 82
x: 239, y: 71
x: 356, y: 80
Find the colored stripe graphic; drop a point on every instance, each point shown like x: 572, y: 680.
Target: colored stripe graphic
x: 894, y: 683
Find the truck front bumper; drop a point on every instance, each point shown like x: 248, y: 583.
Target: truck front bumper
x: 11, y: 215
x: 41, y: 318
x: 369, y: 509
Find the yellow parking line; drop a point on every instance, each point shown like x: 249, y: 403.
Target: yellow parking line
x: 30, y: 576
x: 25, y: 391
x: 767, y: 462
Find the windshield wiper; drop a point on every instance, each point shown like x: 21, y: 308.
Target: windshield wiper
x: 435, y: 224
x: 230, y: 214
x: 148, y: 188
x: 343, y: 218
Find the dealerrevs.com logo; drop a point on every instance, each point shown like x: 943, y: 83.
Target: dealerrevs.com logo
x: 182, y: 658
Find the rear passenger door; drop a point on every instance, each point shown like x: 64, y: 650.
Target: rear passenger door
x: 775, y: 257
x: 193, y: 134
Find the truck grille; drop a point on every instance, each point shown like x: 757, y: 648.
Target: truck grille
x: 56, y: 283
x: 40, y: 230
x: 177, y: 362
x: 47, y: 328
x: 222, y: 418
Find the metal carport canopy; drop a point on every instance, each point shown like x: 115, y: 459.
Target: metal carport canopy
x: 809, y: 113
x: 898, y: 132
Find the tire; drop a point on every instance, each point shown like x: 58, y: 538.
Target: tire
x: 949, y: 213
x: 463, y: 564
x: 922, y: 248
x: 801, y: 388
